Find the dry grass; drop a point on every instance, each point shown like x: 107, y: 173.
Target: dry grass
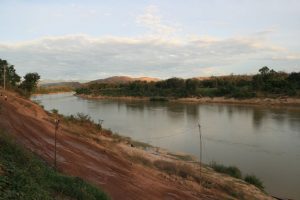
x: 182, y: 157
x: 137, y: 158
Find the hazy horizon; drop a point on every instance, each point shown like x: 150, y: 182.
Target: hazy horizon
x: 75, y: 40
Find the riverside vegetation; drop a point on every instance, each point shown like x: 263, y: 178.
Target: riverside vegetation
x: 267, y: 83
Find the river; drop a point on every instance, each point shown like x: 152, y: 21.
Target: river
x: 259, y: 140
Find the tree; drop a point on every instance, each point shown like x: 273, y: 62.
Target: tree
x: 264, y: 70
x: 12, y: 78
x: 191, y: 86
x: 294, y: 78
x: 30, y: 82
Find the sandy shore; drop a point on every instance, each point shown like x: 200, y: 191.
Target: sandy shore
x: 59, y: 92
x: 283, y: 101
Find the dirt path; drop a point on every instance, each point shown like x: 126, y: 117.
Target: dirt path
x: 78, y: 157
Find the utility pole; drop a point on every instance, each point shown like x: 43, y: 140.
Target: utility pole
x: 200, y: 164
x: 55, y: 138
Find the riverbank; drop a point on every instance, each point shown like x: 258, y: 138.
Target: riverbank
x: 53, y: 90
x: 59, y: 92
x: 283, y: 101
x: 123, y: 168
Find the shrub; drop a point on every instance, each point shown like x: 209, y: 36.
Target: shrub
x: 165, y: 166
x: 80, y: 118
x: 171, y: 168
x: 141, y: 159
x: 54, y: 111
x: 254, y: 181
x: 231, y: 170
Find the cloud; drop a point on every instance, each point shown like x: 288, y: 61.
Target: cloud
x: 86, y: 57
x: 151, y: 20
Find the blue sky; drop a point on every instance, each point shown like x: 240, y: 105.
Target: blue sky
x: 165, y: 38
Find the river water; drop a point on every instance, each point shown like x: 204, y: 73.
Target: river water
x: 259, y: 140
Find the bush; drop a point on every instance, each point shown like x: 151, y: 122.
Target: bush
x: 168, y: 167
x: 171, y: 168
x: 80, y: 118
x: 54, y: 111
x: 231, y: 170
x: 141, y: 160
x: 254, y: 181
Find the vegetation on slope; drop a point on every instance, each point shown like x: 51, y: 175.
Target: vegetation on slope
x: 236, y: 173
x: 267, y: 83
x: 24, y: 176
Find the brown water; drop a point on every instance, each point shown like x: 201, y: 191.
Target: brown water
x: 259, y: 140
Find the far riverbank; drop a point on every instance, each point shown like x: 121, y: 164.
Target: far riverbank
x: 282, y: 101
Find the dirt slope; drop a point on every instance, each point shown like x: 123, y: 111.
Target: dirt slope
x: 78, y: 156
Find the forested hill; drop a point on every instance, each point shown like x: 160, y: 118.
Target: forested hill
x: 266, y: 83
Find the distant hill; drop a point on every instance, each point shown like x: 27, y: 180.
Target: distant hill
x: 71, y: 84
x: 122, y: 79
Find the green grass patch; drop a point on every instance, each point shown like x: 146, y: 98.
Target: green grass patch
x: 254, y: 181
x: 24, y: 176
x: 235, y: 172
x: 230, y: 170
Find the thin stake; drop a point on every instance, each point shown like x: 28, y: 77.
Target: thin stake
x: 200, y: 164
x: 55, y: 138
x: 100, y: 121
x: 4, y: 74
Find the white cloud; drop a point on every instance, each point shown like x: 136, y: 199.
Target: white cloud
x: 151, y: 20
x: 86, y: 57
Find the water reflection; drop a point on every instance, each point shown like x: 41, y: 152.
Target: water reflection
x: 257, y: 118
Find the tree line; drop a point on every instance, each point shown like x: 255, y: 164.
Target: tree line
x: 13, y: 80
x: 266, y: 83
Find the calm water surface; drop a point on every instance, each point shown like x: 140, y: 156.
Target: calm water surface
x: 259, y: 140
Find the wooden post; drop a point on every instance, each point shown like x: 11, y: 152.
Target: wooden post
x: 200, y: 164
x: 55, y: 138
x: 4, y: 77
x: 100, y: 122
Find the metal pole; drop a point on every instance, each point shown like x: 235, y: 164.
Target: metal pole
x: 200, y: 164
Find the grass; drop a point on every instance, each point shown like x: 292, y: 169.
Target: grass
x: 230, y: 170
x: 182, y: 157
x: 235, y: 172
x: 141, y: 160
x: 24, y: 176
x: 181, y: 170
x: 254, y: 181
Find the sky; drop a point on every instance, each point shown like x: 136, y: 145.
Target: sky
x: 86, y: 40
